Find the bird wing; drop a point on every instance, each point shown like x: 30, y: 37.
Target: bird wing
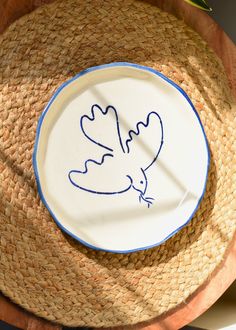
x: 100, y: 177
x: 146, y: 141
x: 102, y: 127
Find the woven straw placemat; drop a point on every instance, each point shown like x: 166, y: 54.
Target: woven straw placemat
x: 41, y: 268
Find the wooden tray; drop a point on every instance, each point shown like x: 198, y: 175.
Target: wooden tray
x: 208, y: 293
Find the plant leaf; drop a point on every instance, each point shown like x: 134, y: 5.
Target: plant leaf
x: 199, y: 4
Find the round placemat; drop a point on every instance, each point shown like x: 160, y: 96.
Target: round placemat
x: 43, y: 269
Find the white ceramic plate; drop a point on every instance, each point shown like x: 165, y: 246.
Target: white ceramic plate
x: 121, y: 157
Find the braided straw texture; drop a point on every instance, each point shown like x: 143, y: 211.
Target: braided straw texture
x: 46, y: 271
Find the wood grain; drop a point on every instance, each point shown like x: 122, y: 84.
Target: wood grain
x: 207, y: 294
x: 15, y: 315
x: 10, y: 10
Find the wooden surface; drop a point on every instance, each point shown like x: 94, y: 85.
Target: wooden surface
x: 207, y: 294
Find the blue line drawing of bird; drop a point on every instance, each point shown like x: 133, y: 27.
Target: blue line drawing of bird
x: 121, y: 158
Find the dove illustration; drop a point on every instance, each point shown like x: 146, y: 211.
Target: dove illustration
x: 102, y: 128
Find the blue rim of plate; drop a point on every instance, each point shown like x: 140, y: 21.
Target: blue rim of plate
x: 40, y: 121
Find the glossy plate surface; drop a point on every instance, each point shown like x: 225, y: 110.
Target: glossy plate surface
x: 121, y: 157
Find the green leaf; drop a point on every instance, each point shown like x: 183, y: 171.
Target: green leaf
x: 199, y: 4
